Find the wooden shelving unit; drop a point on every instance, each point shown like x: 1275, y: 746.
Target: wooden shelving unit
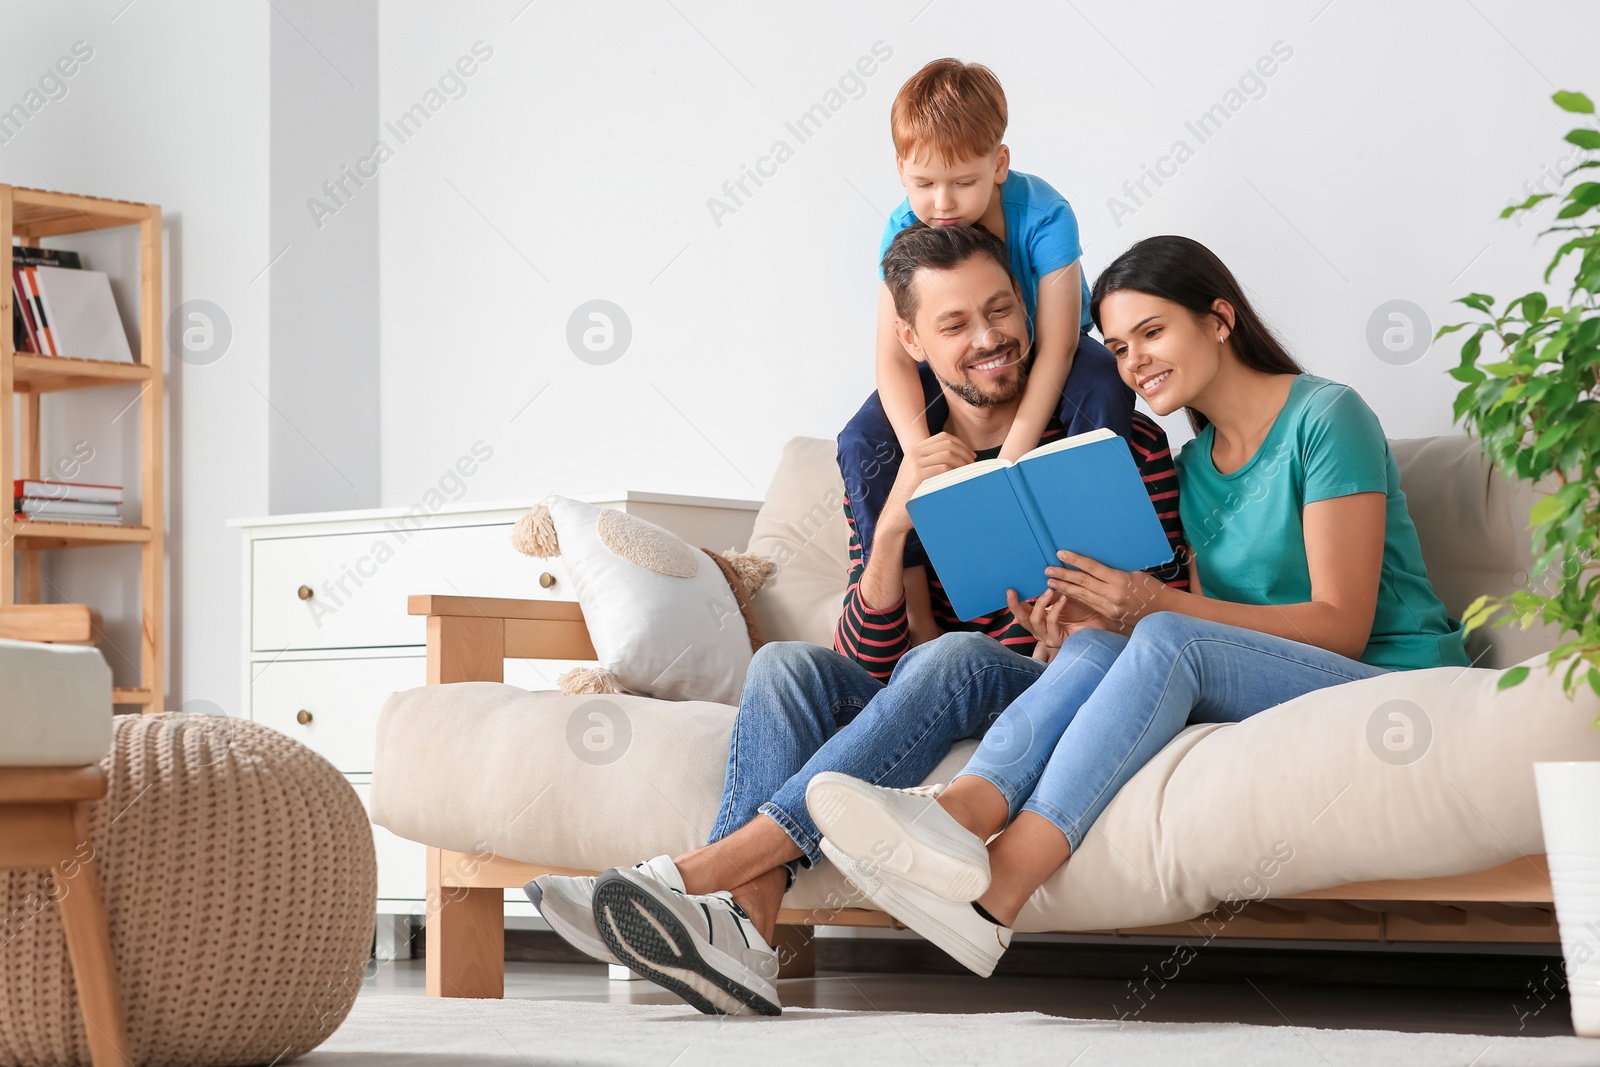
x: 29, y: 215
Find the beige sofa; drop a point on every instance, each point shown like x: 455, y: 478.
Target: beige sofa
x: 1394, y: 808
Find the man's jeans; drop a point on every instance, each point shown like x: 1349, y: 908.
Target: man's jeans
x: 806, y: 709
x: 1107, y: 704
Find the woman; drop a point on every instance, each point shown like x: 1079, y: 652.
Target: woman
x: 1306, y: 573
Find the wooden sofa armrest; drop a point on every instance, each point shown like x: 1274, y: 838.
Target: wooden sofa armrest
x: 471, y: 637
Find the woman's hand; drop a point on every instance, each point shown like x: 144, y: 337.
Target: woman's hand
x: 1121, y: 598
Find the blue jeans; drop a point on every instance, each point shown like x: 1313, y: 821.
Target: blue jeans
x: 1107, y: 704
x: 807, y: 709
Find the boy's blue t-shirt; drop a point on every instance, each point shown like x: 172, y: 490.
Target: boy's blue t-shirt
x: 1248, y: 537
x: 1041, y: 235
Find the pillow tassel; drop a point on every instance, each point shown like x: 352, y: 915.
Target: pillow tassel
x: 589, y: 680
x: 535, y: 534
x: 752, y: 568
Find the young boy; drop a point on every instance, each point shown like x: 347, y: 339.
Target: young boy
x: 948, y: 120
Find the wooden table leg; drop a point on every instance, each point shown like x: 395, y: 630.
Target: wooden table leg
x: 83, y: 915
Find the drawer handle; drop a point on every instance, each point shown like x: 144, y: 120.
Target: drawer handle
x: 305, y: 592
x: 303, y: 717
x: 547, y: 579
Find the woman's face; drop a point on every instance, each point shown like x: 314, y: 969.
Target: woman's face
x: 1165, y: 352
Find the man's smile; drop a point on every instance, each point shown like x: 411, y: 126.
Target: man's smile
x: 990, y: 364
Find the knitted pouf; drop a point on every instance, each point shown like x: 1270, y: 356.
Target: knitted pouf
x: 239, y: 880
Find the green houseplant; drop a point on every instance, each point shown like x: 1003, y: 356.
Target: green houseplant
x: 1534, y: 400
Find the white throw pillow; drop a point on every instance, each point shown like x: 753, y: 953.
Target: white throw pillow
x: 661, y: 614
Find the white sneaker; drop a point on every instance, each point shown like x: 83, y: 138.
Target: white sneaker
x: 566, y: 902
x: 900, y: 832
x: 703, y: 948
x: 956, y: 927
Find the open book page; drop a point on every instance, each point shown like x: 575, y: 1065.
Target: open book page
x: 984, y: 466
x: 1068, y: 442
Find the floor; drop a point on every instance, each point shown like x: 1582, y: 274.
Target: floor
x: 1442, y: 1009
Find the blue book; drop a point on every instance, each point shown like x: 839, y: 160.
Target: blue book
x: 995, y: 525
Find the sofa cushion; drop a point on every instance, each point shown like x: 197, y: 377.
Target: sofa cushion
x: 1472, y: 523
x: 801, y: 528
x: 567, y: 780
x: 57, y: 704
x: 1405, y: 775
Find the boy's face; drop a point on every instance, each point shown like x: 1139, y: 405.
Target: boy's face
x: 945, y: 194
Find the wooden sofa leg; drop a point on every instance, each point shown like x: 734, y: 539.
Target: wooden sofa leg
x: 797, y: 951
x: 465, y: 938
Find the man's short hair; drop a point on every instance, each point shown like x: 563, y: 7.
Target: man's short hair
x: 920, y: 246
x: 951, y: 110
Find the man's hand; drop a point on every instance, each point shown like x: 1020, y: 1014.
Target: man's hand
x: 934, y: 455
x: 1051, y: 618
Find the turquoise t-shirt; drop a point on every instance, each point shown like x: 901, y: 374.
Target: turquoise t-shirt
x: 1041, y: 235
x: 1246, y: 526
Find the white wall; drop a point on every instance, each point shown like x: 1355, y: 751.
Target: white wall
x: 324, y: 239
x: 171, y: 109
x: 1370, y: 167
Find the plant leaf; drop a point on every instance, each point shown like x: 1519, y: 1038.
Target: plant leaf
x: 1546, y: 509
x: 1512, y: 677
x: 1525, y: 205
x: 1584, y: 138
x: 1576, y: 102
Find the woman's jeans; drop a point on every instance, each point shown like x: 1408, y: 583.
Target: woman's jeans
x: 806, y: 709
x: 1107, y: 704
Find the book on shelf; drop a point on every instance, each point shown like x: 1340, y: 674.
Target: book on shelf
x: 45, y: 489
x: 62, y: 309
x: 71, y: 510
x: 995, y: 525
x: 42, y: 340
x: 80, y: 314
x: 28, y: 328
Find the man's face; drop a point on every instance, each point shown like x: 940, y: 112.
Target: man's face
x: 972, y: 329
x: 950, y: 193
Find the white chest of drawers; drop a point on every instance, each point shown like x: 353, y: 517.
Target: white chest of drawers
x: 327, y: 636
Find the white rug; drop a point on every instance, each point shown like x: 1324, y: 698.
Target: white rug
x: 414, y: 1031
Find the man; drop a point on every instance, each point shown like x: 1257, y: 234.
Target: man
x: 906, y: 680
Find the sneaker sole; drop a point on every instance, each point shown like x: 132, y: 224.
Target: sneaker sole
x: 884, y: 897
x: 849, y: 814
x: 639, y: 928
x: 591, y: 945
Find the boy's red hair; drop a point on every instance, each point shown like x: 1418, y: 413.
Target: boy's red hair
x: 952, y: 109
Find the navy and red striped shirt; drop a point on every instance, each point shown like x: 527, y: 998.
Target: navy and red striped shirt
x: 877, y: 638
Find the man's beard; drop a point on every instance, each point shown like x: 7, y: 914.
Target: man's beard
x: 976, y: 397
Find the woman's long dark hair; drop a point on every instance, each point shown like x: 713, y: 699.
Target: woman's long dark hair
x: 1188, y: 273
